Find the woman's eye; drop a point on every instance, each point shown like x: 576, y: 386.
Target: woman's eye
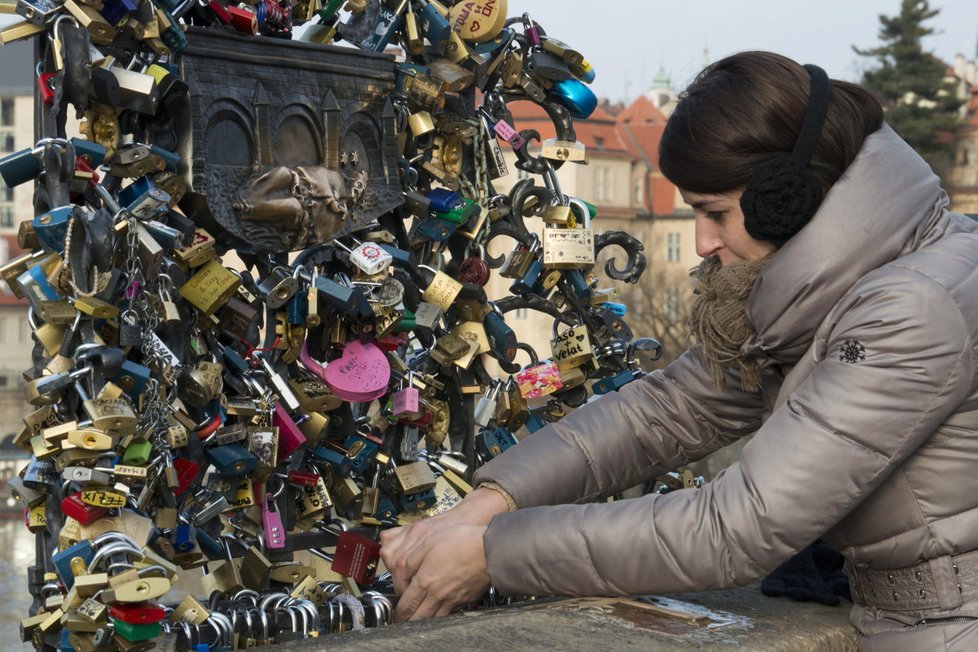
x: 716, y: 216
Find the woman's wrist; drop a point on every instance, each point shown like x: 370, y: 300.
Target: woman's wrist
x: 491, y: 499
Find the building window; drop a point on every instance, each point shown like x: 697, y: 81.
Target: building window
x: 673, y: 243
x: 522, y: 313
x: 670, y: 304
x: 7, y: 142
x: 6, y: 193
x: 603, y: 184
x: 6, y: 217
x: 639, y: 198
x: 7, y: 112
x: 522, y: 174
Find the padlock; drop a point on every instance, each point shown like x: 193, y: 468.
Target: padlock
x: 539, y: 380
x: 614, y: 383
x: 442, y: 290
x: 478, y: 21
x: 272, y: 528
x: 210, y: 287
x: 360, y: 451
x: 491, y: 442
x: 434, y: 25
x: 572, y: 347
x: 415, y: 477
x: 502, y: 338
x: 578, y: 99
x: 356, y: 557
x: 370, y: 258
x: 277, y: 288
x: 569, y: 248
x: 135, y: 632
x: 231, y: 459
x: 562, y: 150
x: 52, y: 226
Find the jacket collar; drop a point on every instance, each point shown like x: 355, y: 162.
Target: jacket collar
x: 887, y: 198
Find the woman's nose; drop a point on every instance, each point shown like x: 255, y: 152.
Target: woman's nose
x: 707, y: 238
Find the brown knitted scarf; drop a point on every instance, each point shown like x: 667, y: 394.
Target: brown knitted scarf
x: 718, y: 319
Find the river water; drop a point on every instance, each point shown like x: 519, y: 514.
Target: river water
x: 16, y: 554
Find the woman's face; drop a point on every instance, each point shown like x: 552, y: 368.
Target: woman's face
x: 720, y: 228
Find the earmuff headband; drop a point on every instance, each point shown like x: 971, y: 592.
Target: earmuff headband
x: 818, y: 107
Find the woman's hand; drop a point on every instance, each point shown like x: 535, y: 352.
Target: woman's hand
x: 413, y: 542
x: 443, y: 571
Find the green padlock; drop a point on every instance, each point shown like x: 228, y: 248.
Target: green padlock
x: 407, y: 323
x: 135, y: 632
x: 137, y: 453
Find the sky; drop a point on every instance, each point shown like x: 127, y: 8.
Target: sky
x: 627, y: 41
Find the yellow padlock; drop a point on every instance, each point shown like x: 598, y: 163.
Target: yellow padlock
x: 210, y: 288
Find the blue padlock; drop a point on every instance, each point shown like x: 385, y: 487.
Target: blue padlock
x: 502, y: 338
x: 20, y: 167
x: 577, y: 98
x: 619, y: 309
x: 183, y: 538
x: 577, y: 281
x: 115, y: 10
x: 528, y: 282
x: 132, y: 378
x: 491, y: 442
x: 360, y: 452
x: 337, y: 460
x: 233, y: 361
x: 231, y: 459
x: 296, y: 308
x: 209, y: 545
x: 134, y: 190
x: 614, y: 383
x: 386, y: 510
x: 92, y: 152
x: 435, y: 27
x: 52, y: 227
x: 533, y: 423
x: 62, y: 561
x: 171, y: 159
x: 34, y: 285
x: 444, y: 200
x: 436, y: 229
x: 419, y: 501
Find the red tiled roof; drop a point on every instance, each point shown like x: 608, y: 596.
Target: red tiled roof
x: 598, y: 132
x: 635, y: 131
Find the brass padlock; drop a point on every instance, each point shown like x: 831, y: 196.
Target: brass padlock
x: 442, y: 291
x: 211, y: 287
x: 415, y: 477
x: 115, y: 414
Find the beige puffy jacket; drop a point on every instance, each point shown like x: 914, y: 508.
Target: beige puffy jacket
x: 866, y: 429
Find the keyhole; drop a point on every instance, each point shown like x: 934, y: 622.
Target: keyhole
x: 89, y: 440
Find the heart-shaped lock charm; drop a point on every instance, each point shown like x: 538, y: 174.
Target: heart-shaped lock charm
x: 362, y: 374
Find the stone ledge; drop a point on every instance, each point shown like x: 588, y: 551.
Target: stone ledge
x: 739, y: 618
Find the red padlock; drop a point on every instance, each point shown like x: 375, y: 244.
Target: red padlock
x: 45, y: 87
x: 474, y: 270
x: 220, y: 11
x: 186, y: 472
x: 137, y: 613
x: 356, y: 557
x: 303, y: 478
x: 73, y: 507
x: 243, y: 20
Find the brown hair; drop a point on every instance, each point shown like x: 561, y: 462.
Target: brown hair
x: 747, y: 109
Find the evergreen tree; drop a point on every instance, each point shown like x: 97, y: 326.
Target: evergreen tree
x: 920, y: 105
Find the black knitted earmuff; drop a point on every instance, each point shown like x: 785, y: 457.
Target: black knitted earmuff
x: 783, y: 193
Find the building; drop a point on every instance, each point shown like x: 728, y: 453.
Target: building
x: 16, y: 127
x: 962, y: 181
x: 16, y: 205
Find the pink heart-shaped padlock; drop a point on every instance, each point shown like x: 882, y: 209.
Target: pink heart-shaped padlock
x: 362, y: 374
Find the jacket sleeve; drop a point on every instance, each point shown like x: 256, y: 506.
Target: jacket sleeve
x: 650, y: 426
x: 831, y: 444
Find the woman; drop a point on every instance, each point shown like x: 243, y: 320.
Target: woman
x: 836, y: 318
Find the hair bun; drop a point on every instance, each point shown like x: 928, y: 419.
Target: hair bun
x: 780, y: 199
